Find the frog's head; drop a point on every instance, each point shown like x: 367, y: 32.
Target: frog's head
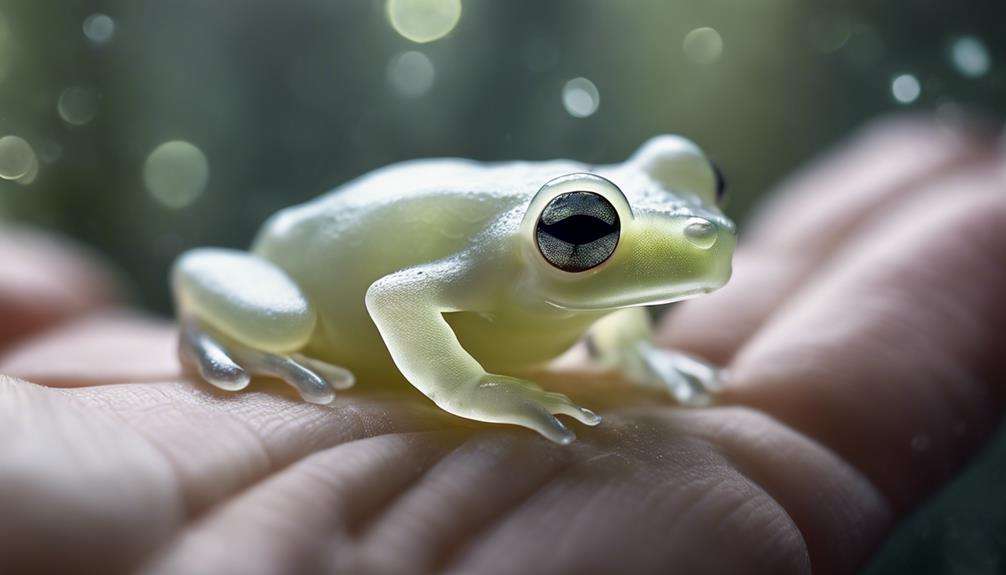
x: 645, y: 232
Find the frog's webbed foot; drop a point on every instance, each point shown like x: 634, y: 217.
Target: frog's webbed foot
x: 691, y: 381
x: 504, y: 399
x: 229, y: 366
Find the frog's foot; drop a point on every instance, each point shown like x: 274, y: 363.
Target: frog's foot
x: 503, y: 399
x: 691, y: 381
x: 229, y: 366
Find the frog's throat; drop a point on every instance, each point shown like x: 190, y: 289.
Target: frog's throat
x: 643, y: 300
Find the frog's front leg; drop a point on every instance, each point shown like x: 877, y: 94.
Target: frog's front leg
x: 623, y: 341
x: 242, y: 315
x: 408, y: 308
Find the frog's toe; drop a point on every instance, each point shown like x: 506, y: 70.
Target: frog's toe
x: 559, y: 403
x: 691, y: 381
x: 312, y: 386
x: 199, y: 350
x: 338, y: 377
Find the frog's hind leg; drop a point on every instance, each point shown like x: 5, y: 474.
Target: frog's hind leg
x: 241, y: 315
x: 623, y: 341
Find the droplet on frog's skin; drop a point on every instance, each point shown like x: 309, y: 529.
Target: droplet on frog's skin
x: 701, y: 233
x: 703, y: 45
x: 77, y: 105
x: 580, y: 97
x: 411, y: 74
x: 16, y: 158
x: 423, y: 20
x: 99, y: 28
x: 176, y: 173
x: 970, y: 56
x: 905, y: 88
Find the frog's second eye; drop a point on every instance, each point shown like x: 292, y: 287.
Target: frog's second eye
x: 721, y: 185
x: 577, y: 231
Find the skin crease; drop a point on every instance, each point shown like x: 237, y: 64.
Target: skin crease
x: 112, y: 461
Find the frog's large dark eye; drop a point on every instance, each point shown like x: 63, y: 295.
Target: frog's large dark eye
x: 577, y: 231
x: 721, y: 185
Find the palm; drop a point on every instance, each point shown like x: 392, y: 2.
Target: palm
x: 120, y: 461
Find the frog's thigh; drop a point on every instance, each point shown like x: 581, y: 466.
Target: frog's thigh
x: 244, y: 297
x: 624, y: 341
x: 241, y: 314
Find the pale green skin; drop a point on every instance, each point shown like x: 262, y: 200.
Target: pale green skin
x: 429, y: 270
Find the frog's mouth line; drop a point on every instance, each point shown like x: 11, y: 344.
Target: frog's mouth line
x: 637, y: 302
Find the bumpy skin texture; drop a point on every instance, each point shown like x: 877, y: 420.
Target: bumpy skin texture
x: 432, y: 270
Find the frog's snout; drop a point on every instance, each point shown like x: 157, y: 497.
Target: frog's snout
x: 701, y: 233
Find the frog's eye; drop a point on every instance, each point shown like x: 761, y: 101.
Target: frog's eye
x: 721, y: 185
x: 577, y: 231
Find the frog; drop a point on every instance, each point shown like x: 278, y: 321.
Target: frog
x: 461, y: 277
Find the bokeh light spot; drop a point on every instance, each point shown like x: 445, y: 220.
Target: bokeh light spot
x: 411, y: 74
x: 703, y: 45
x: 423, y: 20
x: 77, y: 105
x: 17, y: 158
x: 580, y: 97
x: 970, y: 56
x: 99, y: 28
x: 906, y: 88
x: 176, y: 173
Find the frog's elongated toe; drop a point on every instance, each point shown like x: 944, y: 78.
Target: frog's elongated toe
x: 691, y: 381
x: 197, y: 349
x: 228, y: 365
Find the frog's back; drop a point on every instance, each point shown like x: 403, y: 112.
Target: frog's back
x: 399, y: 216
x: 336, y: 246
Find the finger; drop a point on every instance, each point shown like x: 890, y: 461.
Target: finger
x: 44, y: 280
x: 813, y: 215
x: 887, y: 161
x: 103, y: 348
x: 889, y: 357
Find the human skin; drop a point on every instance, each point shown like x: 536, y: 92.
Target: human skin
x: 863, y: 334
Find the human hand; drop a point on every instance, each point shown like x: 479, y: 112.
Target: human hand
x: 863, y: 330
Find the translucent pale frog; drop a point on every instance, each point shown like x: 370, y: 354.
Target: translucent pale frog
x: 460, y: 277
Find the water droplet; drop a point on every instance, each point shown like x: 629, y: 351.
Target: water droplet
x: 176, y: 173
x: 703, y: 45
x: 77, y: 105
x: 970, y: 56
x: 906, y: 88
x: 17, y: 158
x: 423, y: 20
x: 99, y: 28
x: 411, y: 74
x: 701, y: 233
x: 580, y: 97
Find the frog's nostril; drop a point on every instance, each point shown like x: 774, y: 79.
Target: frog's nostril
x: 700, y: 233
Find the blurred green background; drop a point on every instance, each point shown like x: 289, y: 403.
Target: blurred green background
x: 145, y: 127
